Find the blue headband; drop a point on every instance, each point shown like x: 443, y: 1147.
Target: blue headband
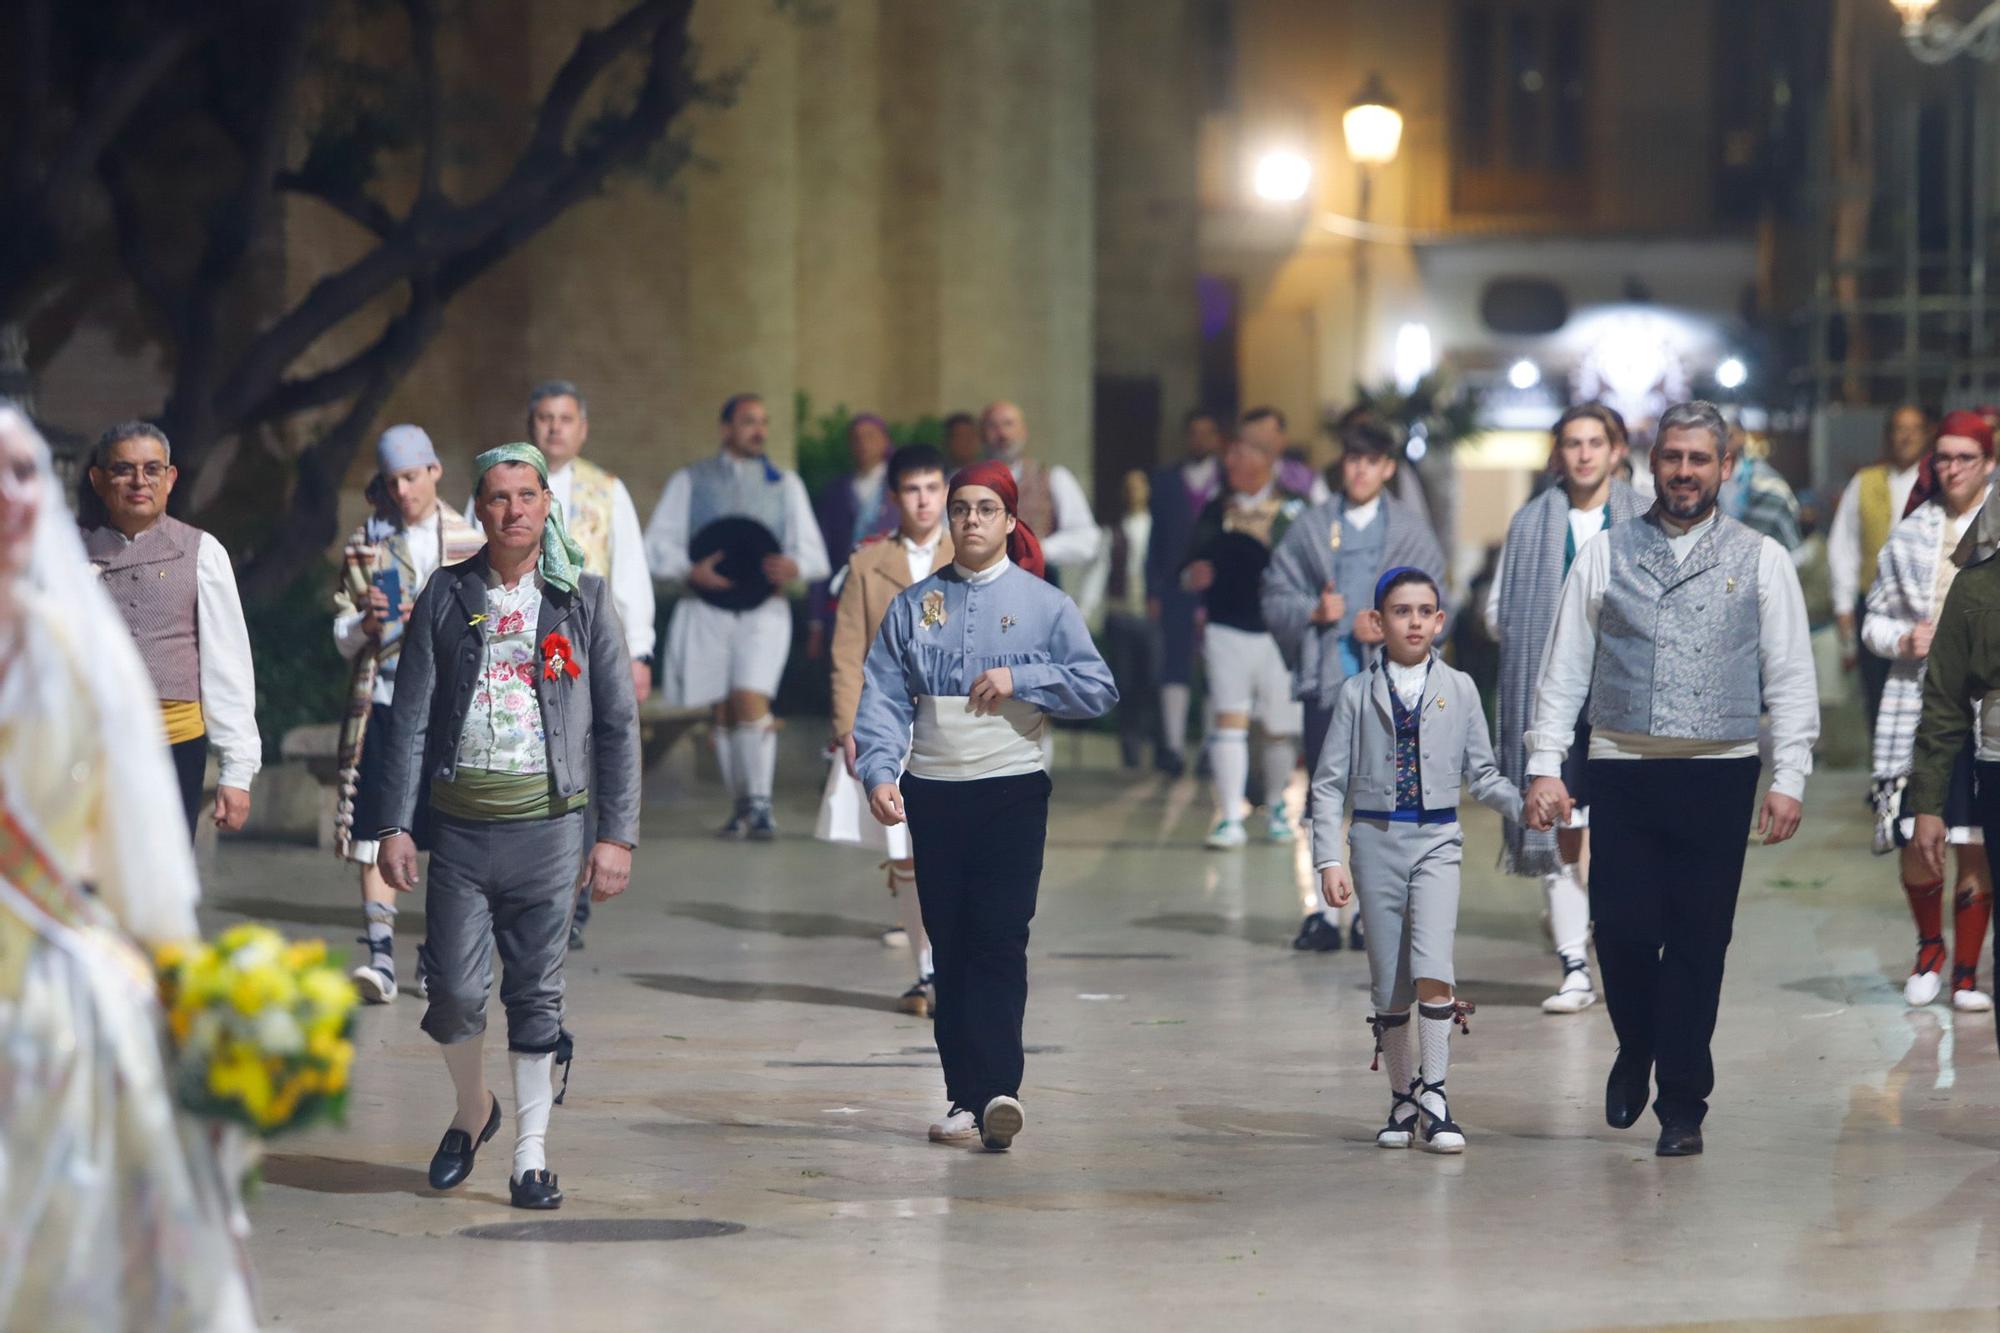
x: 1382, y: 584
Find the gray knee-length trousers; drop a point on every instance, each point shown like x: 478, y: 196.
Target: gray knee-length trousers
x: 1406, y: 877
x: 508, y: 883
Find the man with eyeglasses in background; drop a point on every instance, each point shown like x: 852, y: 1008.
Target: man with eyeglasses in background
x: 177, y: 591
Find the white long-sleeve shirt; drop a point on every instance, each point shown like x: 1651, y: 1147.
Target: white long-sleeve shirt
x: 228, y: 678
x: 1074, y: 542
x: 667, y: 534
x: 1791, y: 690
x: 1583, y: 525
x: 631, y: 584
x: 1843, y: 539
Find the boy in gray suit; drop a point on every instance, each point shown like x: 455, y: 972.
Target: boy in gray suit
x: 1405, y: 734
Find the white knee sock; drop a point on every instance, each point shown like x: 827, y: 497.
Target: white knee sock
x: 1280, y: 757
x: 468, y: 1080
x: 1569, y: 912
x: 1229, y: 767
x: 1173, y: 718
x: 1434, y: 1038
x: 725, y: 760
x: 1396, y: 1049
x: 910, y: 915
x: 756, y: 757
x: 534, y: 1094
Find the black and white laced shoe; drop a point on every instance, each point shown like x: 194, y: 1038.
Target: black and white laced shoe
x: 1402, y: 1126
x: 1441, y: 1133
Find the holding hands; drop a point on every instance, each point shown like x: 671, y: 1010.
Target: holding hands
x: 1546, y: 804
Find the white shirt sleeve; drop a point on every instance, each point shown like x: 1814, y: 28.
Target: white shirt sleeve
x: 1791, y: 686
x: 228, y: 681
x: 631, y: 580
x: 667, y: 531
x: 1074, y: 542
x: 347, y: 635
x: 1843, y: 549
x: 1567, y: 662
x: 803, y: 541
x: 1491, y: 611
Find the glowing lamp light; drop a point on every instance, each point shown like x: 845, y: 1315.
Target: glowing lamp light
x: 1914, y: 12
x: 1732, y: 373
x: 1373, y: 126
x: 1524, y: 374
x: 1281, y: 176
x: 1413, y: 357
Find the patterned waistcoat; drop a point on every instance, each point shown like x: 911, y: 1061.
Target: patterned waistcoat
x: 1037, y: 503
x: 1677, y: 652
x: 718, y: 488
x: 152, y: 578
x: 591, y: 491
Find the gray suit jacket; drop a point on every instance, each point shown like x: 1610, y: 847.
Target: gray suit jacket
x: 591, y: 721
x: 1302, y: 564
x: 1359, y: 758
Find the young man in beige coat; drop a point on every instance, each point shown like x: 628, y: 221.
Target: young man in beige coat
x: 880, y: 568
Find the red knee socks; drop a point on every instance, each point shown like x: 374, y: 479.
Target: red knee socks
x: 1970, y: 917
x: 1927, y: 906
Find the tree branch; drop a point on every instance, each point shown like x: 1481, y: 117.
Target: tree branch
x: 111, y: 102
x: 152, y: 284
x: 357, y: 206
x: 430, y: 98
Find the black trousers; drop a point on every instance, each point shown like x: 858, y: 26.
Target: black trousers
x: 1131, y: 650
x: 1318, y: 720
x: 190, y: 767
x: 978, y: 848
x: 1873, y: 670
x: 1667, y: 844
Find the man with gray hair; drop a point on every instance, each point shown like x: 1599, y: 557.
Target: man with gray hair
x: 601, y: 519
x: 1680, y: 628
x: 177, y: 591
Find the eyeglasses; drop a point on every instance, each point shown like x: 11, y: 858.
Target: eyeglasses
x: 1944, y: 462
x: 986, y: 512
x: 127, y: 471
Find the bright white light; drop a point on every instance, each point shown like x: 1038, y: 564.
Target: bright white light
x: 1731, y: 373
x: 1524, y: 374
x: 1413, y: 359
x: 1416, y: 449
x: 1281, y: 176
x: 1373, y: 133
x: 1914, y: 12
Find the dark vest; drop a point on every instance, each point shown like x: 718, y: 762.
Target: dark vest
x: 152, y: 579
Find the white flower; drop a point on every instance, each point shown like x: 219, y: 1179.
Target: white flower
x: 278, y: 1033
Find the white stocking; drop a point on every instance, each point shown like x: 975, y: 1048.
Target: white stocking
x: 534, y: 1094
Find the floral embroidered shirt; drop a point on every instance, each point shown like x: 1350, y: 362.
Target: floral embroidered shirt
x: 503, y: 728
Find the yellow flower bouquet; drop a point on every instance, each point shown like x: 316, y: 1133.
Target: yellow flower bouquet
x: 260, y: 1029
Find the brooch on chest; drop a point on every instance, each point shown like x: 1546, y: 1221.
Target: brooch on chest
x: 1007, y: 623
x: 933, y: 608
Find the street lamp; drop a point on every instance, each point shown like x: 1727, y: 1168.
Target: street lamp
x: 1936, y: 40
x: 1373, y: 128
x: 1281, y: 176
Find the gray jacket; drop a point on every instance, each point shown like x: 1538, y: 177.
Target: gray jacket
x: 1302, y: 564
x: 591, y: 721
x: 1359, y: 758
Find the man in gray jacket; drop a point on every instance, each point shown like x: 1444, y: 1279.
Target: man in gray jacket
x: 514, y: 712
x: 1320, y: 581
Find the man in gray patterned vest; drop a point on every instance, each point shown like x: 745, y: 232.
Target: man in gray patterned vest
x: 177, y: 591
x: 736, y: 528
x: 1681, y: 628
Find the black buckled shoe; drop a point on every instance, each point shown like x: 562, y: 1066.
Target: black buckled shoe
x: 1679, y: 1141
x: 535, y: 1189
x: 452, y: 1162
x: 1625, y: 1093
x: 1317, y: 935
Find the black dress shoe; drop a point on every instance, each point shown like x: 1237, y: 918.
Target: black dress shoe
x: 452, y: 1162
x: 1317, y: 935
x: 536, y: 1189
x: 1625, y: 1094
x: 1355, y: 940
x: 1173, y: 763
x: 1678, y: 1141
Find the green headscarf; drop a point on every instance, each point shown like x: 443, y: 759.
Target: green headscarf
x: 562, y: 558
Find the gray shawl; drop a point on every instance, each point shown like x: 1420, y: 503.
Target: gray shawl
x: 1531, y: 580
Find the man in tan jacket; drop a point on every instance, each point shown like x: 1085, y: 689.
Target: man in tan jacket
x: 881, y: 568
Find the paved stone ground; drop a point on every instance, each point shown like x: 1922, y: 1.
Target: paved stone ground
x: 1199, y: 1152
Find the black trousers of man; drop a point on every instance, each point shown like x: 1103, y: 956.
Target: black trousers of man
x: 978, y: 848
x: 1872, y: 670
x: 1667, y: 843
x: 190, y: 768
x: 1131, y: 649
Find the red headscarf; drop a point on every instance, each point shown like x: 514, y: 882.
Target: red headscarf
x: 1967, y: 426
x: 1022, y: 548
